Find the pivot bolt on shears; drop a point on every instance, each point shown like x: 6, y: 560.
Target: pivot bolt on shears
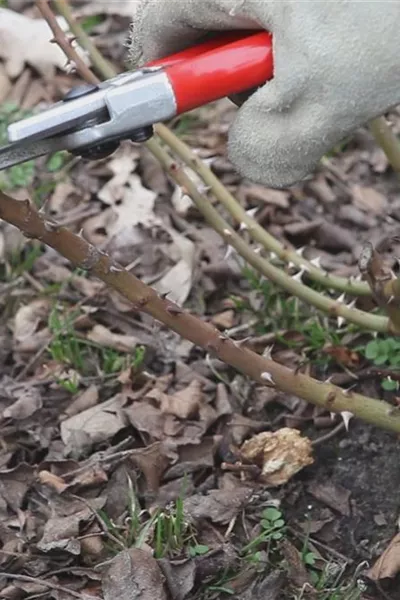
x: 92, y: 120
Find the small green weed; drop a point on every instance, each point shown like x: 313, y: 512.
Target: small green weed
x: 22, y: 175
x: 71, y: 384
x: 65, y: 346
x: 82, y: 355
x: 21, y: 260
x: 273, y: 529
x: 384, y: 353
x: 331, y: 582
x: 279, y: 312
x: 186, y: 123
x: 166, y: 530
x: 19, y: 175
x: 90, y: 22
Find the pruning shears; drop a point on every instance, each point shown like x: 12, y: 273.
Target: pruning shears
x: 91, y: 120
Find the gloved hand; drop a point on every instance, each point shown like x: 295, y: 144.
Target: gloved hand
x: 337, y: 65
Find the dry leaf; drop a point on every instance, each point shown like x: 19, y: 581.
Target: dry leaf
x: 26, y: 323
x: 369, y: 200
x: 57, y: 201
x: 184, y: 404
x: 298, y: 573
x: 219, y: 506
x: 14, y: 484
x: 133, y: 575
x: 27, y: 41
x: 177, y: 282
x: 122, y: 165
x: 28, y: 401
x: 82, y: 402
x: 134, y: 207
x: 104, y: 337
x: 95, y: 425
x: 61, y: 532
x: 224, y: 320
x: 60, y: 274
x: 280, y: 454
x: 333, y: 495
x: 265, y: 195
x: 52, y: 480
x: 388, y: 564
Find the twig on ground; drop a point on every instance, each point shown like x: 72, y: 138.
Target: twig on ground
x: 43, y: 583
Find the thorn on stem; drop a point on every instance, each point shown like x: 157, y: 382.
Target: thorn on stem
x: 299, y: 275
x: 267, y: 352
x: 116, y: 268
x: 50, y: 226
x: 267, y: 378
x: 174, y: 310
x: 346, y: 416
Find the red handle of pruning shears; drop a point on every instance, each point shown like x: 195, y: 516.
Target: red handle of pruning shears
x: 224, y: 66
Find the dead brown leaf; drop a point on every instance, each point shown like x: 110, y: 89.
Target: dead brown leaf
x: 61, y: 532
x: 82, y: 402
x: 133, y: 575
x: 265, y: 195
x: 269, y: 588
x: 14, y: 484
x: 26, y: 323
x: 333, y: 495
x: 104, y: 337
x: 27, y: 400
x: 59, y: 274
x: 152, y: 461
x: 180, y: 576
x: 224, y: 320
x: 388, y: 564
x: 219, y: 506
x: 54, y: 481
x: 184, y: 404
x: 25, y: 40
x: 94, y: 425
x: 297, y: 570
x: 369, y: 199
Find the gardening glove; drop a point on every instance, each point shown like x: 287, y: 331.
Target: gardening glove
x: 336, y: 66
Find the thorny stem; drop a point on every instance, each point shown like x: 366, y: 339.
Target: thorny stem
x: 257, y: 232
x: 102, y: 66
x: 262, y: 265
x: 265, y: 371
x: 387, y: 140
x: 61, y: 39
